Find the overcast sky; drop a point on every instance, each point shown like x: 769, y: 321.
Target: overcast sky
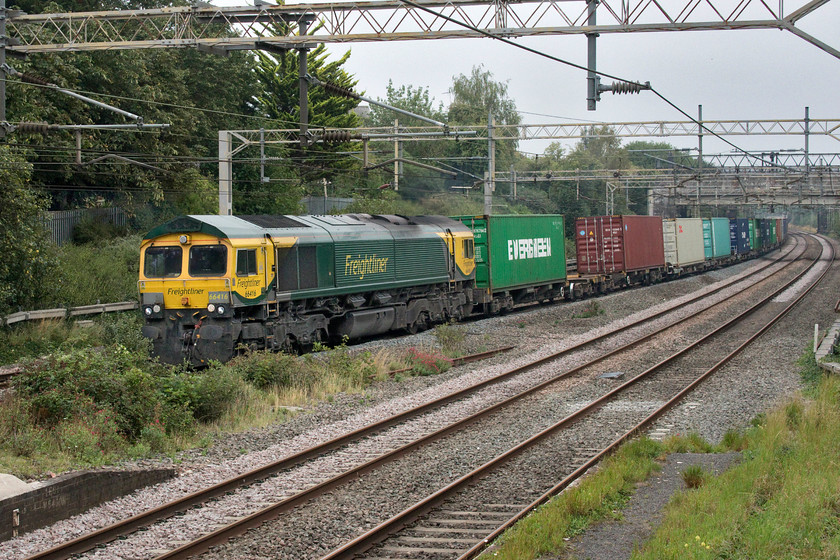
x: 735, y: 75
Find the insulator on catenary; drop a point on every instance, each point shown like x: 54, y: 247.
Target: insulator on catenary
x: 336, y: 136
x: 33, y: 128
x: 627, y: 87
x: 33, y: 79
x: 338, y: 90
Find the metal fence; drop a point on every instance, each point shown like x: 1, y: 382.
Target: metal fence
x: 60, y: 224
x: 67, y: 312
x: 320, y: 205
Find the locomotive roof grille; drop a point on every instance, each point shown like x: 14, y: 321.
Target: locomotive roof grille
x: 269, y: 221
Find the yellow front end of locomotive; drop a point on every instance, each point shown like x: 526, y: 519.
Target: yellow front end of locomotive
x: 184, y: 272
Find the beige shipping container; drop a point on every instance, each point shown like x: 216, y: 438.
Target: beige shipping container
x: 683, y: 240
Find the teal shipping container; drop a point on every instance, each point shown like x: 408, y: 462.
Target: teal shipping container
x: 515, y: 251
x: 721, y: 246
x: 708, y: 250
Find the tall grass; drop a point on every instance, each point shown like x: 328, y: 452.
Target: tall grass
x: 548, y: 529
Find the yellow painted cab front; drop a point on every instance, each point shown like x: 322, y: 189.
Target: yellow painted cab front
x: 190, y: 287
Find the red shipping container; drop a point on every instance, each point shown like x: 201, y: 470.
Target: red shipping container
x: 607, y: 244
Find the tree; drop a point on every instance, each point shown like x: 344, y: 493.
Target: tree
x: 409, y: 98
x: 278, y: 98
x: 180, y: 87
x: 475, y: 97
x: 27, y: 266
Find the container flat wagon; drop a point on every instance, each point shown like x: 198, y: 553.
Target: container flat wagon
x: 683, y: 244
x: 518, y: 259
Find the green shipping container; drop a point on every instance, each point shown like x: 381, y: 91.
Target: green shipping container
x: 517, y: 251
x: 773, y: 234
x: 753, y: 232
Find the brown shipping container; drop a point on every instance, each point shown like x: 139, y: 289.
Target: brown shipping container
x: 607, y: 244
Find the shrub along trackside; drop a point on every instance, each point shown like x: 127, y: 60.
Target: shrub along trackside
x: 88, y: 405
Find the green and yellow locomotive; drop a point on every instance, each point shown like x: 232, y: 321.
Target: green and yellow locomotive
x: 212, y: 284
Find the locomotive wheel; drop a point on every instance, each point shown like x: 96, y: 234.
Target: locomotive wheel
x: 420, y: 324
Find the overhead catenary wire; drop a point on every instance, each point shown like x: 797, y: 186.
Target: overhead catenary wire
x: 584, y: 68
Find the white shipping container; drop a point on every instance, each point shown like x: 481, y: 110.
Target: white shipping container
x: 683, y: 240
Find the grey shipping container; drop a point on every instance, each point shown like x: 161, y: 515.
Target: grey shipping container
x: 683, y: 239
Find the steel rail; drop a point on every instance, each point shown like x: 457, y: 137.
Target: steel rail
x: 577, y: 473
x: 126, y: 526
x: 410, y: 514
x: 224, y: 534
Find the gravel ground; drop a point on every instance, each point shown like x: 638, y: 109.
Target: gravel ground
x: 538, y: 329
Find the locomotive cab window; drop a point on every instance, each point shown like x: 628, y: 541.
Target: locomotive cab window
x: 162, y: 262
x: 208, y: 260
x: 469, y: 248
x: 246, y: 262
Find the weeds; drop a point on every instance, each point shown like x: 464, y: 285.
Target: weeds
x: 36, y: 339
x: 451, y: 338
x: 694, y: 476
x: 427, y: 363
x: 590, y: 309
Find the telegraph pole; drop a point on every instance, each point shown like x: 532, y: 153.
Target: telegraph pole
x: 592, y: 80
x: 4, y: 125
x: 489, y: 183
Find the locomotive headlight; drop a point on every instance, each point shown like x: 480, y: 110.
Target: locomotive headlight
x: 211, y: 308
x: 156, y: 308
x: 148, y: 311
x: 220, y: 309
x: 184, y: 240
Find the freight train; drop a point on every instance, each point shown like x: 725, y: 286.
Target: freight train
x: 213, y: 285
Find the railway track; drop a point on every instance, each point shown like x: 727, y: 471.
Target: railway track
x: 453, y: 522
x: 365, y: 460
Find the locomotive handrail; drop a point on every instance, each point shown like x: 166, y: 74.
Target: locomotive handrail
x: 67, y: 312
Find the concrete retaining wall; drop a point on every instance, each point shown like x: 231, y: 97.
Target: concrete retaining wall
x: 70, y: 494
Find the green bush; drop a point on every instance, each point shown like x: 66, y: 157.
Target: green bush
x: 204, y: 395
x: 18, y: 432
x: 94, y: 230
x: 267, y: 369
x: 214, y: 392
x: 104, y: 272
x: 451, y: 338
x: 80, y: 382
x: 36, y: 339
